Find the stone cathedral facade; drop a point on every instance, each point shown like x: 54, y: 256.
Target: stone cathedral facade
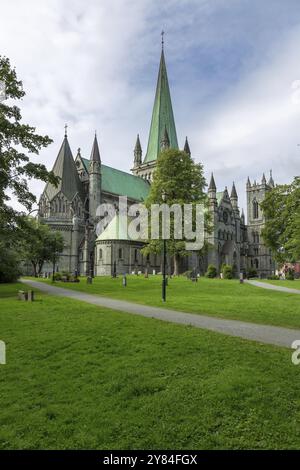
x: 85, y: 183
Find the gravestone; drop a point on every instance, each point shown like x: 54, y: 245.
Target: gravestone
x: 22, y: 295
x: 30, y: 296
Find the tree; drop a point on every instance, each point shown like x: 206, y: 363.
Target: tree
x: 41, y: 245
x: 17, y: 142
x: 281, y: 234
x: 182, y: 181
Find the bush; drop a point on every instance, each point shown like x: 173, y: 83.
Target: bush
x: 211, y: 271
x: 10, y: 268
x: 57, y: 276
x: 188, y: 273
x: 290, y: 275
x: 227, y: 271
x: 252, y: 273
x: 273, y: 278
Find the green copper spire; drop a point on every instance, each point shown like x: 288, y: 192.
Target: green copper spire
x: 162, y: 115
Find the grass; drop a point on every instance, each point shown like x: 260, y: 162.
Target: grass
x: 216, y: 297
x: 79, y: 376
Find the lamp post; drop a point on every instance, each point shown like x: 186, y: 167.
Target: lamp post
x: 164, y: 256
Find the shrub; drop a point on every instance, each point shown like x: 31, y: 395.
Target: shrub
x: 227, y: 271
x: 57, y: 276
x: 252, y: 273
x: 211, y: 271
x: 290, y: 275
x: 188, y: 273
x: 273, y: 278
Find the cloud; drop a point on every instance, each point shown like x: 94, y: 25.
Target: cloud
x: 94, y: 65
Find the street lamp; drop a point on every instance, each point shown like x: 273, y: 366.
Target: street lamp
x: 164, y: 255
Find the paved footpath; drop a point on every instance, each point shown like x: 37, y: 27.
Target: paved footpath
x: 265, y: 285
x: 262, y: 333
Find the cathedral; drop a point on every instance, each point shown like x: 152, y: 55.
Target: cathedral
x: 85, y: 183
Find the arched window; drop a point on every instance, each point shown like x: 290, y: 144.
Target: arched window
x: 136, y: 255
x: 120, y: 253
x: 255, y: 209
x: 256, y: 263
x: 100, y: 253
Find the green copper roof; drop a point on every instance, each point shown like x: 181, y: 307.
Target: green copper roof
x: 162, y: 115
x: 117, y: 229
x: 65, y: 168
x: 121, y: 183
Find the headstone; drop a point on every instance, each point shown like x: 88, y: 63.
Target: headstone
x: 22, y: 295
x: 241, y: 278
x: 30, y: 296
x: 153, y: 272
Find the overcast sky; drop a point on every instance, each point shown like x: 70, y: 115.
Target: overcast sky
x: 234, y: 73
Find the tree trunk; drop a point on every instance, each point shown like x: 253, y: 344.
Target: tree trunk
x: 41, y: 264
x: 34, y: 268
x: 176, y: 264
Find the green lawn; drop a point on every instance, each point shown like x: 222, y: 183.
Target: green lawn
x: 284, y: 283
x: 79, y: 376
x: 222, y: 298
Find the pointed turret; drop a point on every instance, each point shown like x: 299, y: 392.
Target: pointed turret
x: 212, y: 194
x: 264, y: 181
x: 248, y: 183
x: 64, y: 167
x: 234, y: 199
x: 162, y: 115
x: 94, y: 180
x: 233, y: 194
x: 165, y: 141
x: 212, y: 185
x: 271, y: 181
x: 187, y: 147
x: 95, y: 154
x: 137, y: 152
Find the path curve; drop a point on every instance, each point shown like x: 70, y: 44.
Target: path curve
x: 264, y: 285
x: 262, y: 333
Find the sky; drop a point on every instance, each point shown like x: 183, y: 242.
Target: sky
x: 233, y: 67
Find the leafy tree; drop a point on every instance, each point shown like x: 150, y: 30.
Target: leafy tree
x: 281, y: 234
x: 41, y: 245
x: 182, y: 181
x: 9, y: 262
x: 17, y: 142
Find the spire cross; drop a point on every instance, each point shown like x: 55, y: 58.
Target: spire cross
x: 66, y: 128
x: 162, y: 39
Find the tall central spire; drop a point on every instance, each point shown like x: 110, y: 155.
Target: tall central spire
x: 162, y: 115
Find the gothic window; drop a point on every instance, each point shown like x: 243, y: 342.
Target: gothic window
x: 255, y: 209
x: 100, y: 253
x: 220, y: 235
x: 135, y: 255
x: 256, y: 263
x: 120, y: 253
